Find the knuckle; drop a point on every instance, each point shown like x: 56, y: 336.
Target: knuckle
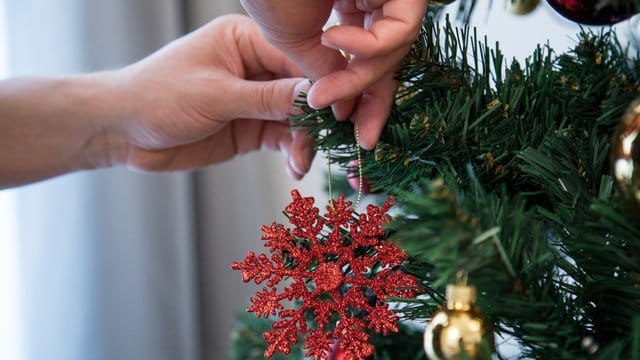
x: 268, y: 100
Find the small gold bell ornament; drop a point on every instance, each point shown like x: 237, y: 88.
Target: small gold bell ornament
x: 625, y: 155
x: 460, y: 330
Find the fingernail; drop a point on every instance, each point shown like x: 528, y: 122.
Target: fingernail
x: 292, y: 172
x: 300, y: 92
x: 310, y: 96
x: 293, y: 164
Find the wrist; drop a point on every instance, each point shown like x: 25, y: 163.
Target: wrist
x: 55, y: 125
x: 103, y: 105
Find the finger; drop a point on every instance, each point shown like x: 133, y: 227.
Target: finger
x: 371, y: 43
x: 319, y: 61
x: 277, y: 135
x: 214, y: 148
x: 398, y: 26
x: 373, y: 111
x: 258, y: 54
x: 369, y: 5
x: 347, y: 13
x: 265, y: 100
x: 301, y: 153
x: 251, y: 135
x: 295, y: 28
x: 349, y: 83
x: 342, y: 110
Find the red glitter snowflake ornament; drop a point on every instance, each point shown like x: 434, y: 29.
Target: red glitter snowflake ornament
x: 341, y: 272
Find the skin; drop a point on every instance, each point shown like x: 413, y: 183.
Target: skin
x: 376, y: 33
x: 216, y: 93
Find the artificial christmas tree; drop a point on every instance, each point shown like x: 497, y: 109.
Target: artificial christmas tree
x: 504, y: 172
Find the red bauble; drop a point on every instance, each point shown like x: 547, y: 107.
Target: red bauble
x: 336, y: 353
x: 594, y: 12
x: 353, y: 177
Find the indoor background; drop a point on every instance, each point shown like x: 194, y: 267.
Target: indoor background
x: 120, y: 265
x: 114, y: 264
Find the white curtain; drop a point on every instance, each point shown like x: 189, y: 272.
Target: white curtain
x: 232, y: 201
x: 122, y: 265
x: 107, y: 259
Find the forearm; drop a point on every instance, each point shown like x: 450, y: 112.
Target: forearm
x: 52, y: 126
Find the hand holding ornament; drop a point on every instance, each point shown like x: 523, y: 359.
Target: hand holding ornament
x: 188, y: 105
x: 376, y: 33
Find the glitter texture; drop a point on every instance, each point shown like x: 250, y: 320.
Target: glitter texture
x: 341, y: 271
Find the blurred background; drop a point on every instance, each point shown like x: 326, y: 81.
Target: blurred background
x: 114, y: 264
x: 120, y: 265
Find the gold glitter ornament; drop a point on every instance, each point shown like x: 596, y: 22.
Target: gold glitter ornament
x: 520, y: 7
x: 625, y: 155
x: 460, y: 330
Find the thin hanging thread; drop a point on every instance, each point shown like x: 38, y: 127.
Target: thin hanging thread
x: 356, y: 131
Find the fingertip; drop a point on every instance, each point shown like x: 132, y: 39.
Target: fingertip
x: 368, y: 140
x: 328, y: 37
x: 300, y: 154
x: 296, y: 170
x: 317, y: 99
x: 300, y: 161
x: 373, y: 111
x: 299, y: 96
x: 368, y: 143
x: 292, y: 173
x: 301, y: 87
x: 370, y: 119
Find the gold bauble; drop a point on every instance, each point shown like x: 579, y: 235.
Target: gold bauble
x: 520, y: 7
x: 460, y: 325
x: 625, y: 155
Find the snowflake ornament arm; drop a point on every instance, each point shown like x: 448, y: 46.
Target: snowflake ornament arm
x: 340, y: 268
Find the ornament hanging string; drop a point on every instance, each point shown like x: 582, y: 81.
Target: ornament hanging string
x: 356, y: 131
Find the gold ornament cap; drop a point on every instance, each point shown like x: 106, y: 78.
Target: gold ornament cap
x: 461, y: 297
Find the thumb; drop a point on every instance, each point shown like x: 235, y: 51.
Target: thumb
x: 266, y: 100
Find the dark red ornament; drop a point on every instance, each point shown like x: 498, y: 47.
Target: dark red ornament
x: 339, y: 267
x: 594, y: 12
x: 337, y: 353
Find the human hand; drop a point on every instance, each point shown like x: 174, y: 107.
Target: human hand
x: 376, y: 33
x: 219, y: 92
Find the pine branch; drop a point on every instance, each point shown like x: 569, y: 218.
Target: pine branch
x: 502, y: 170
